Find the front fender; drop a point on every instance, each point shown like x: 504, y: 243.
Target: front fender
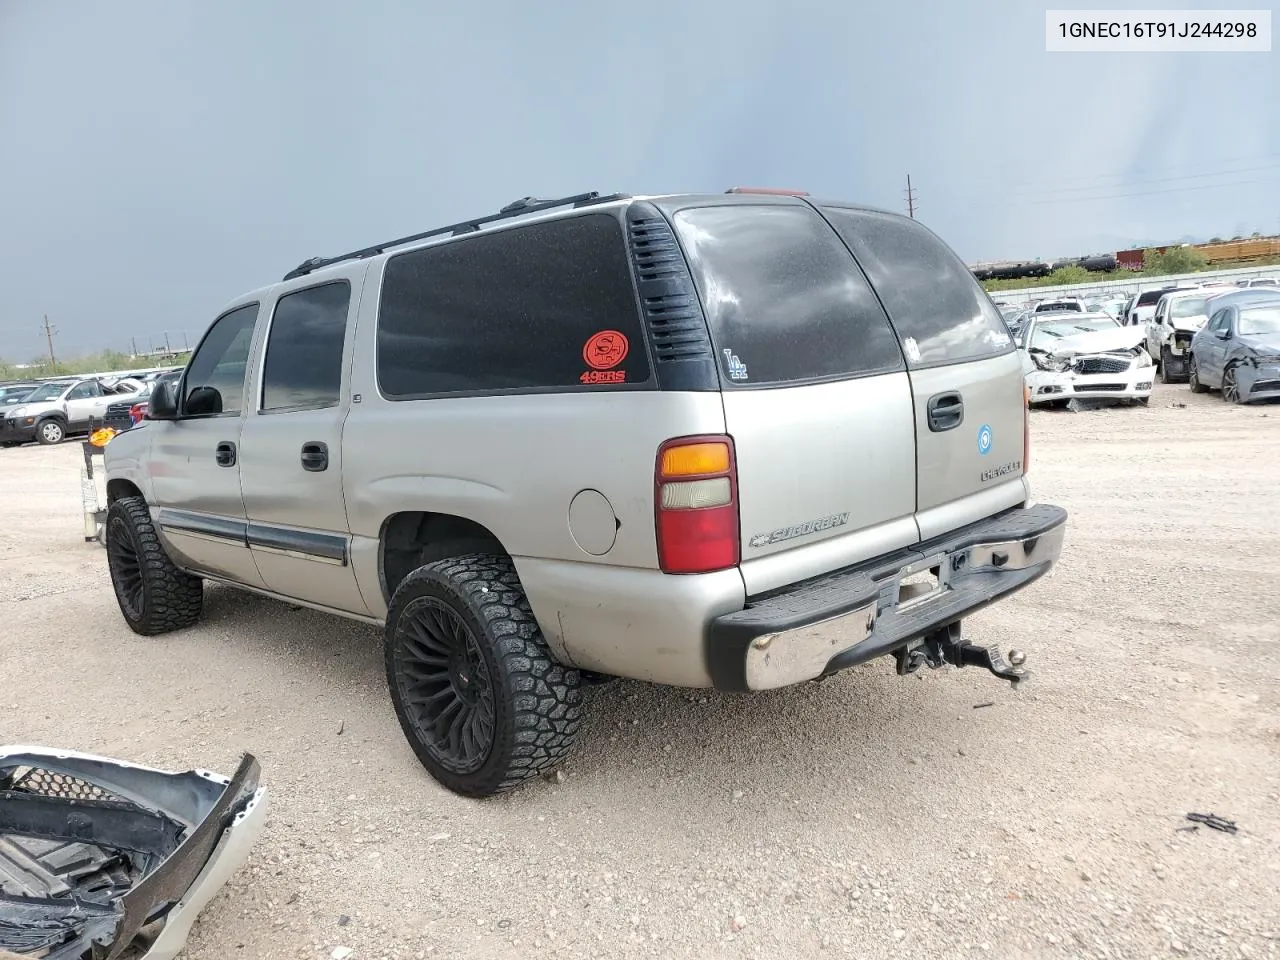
x: 124, y: 458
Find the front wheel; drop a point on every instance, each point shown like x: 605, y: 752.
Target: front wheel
x: 1193, y: 377
x: 154, y: 595
x: 1231, y: 386
x: 479, y: 697
x: 50, y: 432
x: 1166, y: 357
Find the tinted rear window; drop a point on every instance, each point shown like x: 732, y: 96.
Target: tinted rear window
x: 784, y: 300
x: 938, y: 308
x: 1150, y: 298
x: 548, y: 306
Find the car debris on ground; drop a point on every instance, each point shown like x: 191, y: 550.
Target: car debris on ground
x: 99, y: 858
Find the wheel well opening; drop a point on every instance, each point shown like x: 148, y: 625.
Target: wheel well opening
x: 411, y: 539
x: 119, y: 489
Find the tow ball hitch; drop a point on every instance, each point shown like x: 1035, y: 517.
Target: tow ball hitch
x: 947, y: 646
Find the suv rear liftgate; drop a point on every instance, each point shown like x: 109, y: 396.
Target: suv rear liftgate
x: 877, y: 408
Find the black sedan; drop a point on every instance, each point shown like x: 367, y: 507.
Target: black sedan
x: 1238, y: 351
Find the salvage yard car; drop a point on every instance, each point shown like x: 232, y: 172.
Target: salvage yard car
x: 724, y: 441
x: 1178, y: 315
x: 58, y: 410
x: 1238, y: 351
x: 1084, y: 355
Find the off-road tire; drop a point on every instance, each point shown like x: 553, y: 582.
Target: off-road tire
x: 169, y: 599
x: 50, y: 432
x: 536, y: 702
x: 1193, y: 376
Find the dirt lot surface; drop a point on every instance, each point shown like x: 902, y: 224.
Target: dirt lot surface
x: 937, y: 815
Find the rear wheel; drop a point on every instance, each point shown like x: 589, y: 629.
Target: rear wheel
x: 154, y: 595
x: 479, y: 697
x: 1231, y: 386
x: 50, y: 432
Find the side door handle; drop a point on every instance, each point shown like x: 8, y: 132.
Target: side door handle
x: 315, y: 456
x: 946, y: 411
x: 225, y: 454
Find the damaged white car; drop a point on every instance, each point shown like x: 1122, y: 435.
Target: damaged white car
x: 1084, y: 356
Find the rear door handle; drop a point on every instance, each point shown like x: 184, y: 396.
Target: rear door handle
x: 946, y: 411
x: 225, y: 454
x: 315, y: 456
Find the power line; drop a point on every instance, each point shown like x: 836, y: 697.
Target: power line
x: 1007, y: 186
x: 1154, y: 180
x: 1152, y: 193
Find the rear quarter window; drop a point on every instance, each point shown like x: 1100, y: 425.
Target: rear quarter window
x: 546, y: 307
x: 784, y: 301
x: 939, y: 310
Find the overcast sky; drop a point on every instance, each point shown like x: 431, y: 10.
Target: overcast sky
x: 158, y: 158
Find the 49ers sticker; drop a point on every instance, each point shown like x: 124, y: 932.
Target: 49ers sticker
x: 602, y: 352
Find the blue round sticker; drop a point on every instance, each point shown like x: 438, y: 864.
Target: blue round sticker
x: 984, y: 439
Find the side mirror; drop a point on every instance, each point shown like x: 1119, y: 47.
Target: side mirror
x: 163, y: 403
x: 1223, y: 334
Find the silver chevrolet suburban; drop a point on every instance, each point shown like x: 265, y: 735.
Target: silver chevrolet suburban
x: 738, y: 441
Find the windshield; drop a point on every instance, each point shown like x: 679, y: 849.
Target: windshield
x: 14, y: 393
x: 50, y: 391
x: 1259, y: 320
x: 1191, y: 307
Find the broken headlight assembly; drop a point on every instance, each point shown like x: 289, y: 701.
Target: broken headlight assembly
x: 1047, y: 361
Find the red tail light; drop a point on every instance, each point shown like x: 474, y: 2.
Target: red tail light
x: 695, y: 501
x: 137, y: 412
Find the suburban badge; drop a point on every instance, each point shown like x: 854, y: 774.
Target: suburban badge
x: 800, y: 530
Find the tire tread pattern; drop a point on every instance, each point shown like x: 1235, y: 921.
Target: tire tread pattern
x: 172, y: 599
x: 544, y: 698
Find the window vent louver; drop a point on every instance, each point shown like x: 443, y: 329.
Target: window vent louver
x: 667, y: 295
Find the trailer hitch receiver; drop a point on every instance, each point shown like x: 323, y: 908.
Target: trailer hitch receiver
x: 946, y: 645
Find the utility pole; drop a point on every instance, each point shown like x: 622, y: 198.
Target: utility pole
x: 48, y: 333
x: 911, y: 199
x: 167, y: 348
x: 133, y: 345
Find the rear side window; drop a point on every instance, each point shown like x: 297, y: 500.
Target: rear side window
x: 939, y: 310
x: 1149, y: 298
x: 303, y: 369
x: 548, y: 306
x: 784, y: 300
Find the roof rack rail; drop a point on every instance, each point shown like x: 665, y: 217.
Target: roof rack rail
x: 517, y: 208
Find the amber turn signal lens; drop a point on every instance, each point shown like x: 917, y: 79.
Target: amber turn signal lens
x: 695, y: 459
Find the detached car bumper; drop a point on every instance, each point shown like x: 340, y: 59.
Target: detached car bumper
x: 1049, y: 386
x: 102, y: 857
x: 851, y: 616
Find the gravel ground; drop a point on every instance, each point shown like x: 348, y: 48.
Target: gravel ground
x: 868, y: 816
